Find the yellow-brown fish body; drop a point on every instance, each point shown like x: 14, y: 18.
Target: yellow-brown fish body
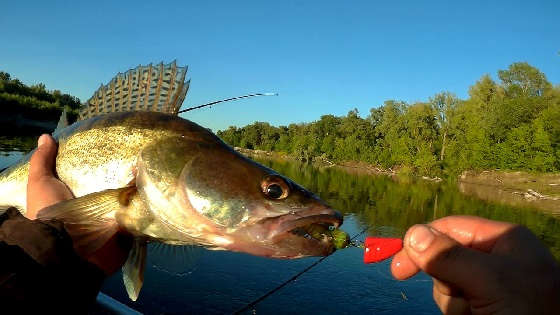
x: 185, y: 186
x: 192, y: 188
x: 162, y: 178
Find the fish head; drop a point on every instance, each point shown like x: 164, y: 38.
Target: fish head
x: 228, y: 201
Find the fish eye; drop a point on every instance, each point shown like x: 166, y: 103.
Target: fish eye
x: 274, y: 191
x: 275, y: 187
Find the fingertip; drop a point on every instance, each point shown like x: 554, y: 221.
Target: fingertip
x: 42, y: 140
x: 402, y: 267
x: 45, y: 141
x: 419, y: 237
x: 43, y: 159
x: 447, y: 260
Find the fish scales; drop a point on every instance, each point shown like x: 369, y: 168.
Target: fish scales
x: 158, y: 177
x: 100, y: 153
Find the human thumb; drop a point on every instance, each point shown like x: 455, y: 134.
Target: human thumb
x: 42, y: 162
x: 43, y: 188
x: 471, y: 271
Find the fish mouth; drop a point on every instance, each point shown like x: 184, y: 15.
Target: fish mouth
x: 289, y: 236
x: 294, y: 229
x: 295, y: 224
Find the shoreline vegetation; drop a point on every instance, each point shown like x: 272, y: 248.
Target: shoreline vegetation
x: 510, y: 124
x: 514, y: 188
x: 30, y: 110
x: 505, y: 136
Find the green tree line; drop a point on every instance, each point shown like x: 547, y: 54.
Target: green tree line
x: 35, y: 101
x: 510, y: 124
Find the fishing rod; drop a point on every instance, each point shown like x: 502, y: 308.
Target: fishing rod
x: 227, y: 100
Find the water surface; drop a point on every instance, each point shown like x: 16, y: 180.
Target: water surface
x: 216, y: 282
x: 223, y: 282
x: 13, y: 148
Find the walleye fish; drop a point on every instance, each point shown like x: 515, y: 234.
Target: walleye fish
x: 134, y: 166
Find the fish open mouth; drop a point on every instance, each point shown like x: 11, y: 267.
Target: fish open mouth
x: 307, y: 225
x: 308, y: 232
x: 310, y: 227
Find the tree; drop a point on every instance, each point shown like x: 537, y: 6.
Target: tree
x: 444, y: 104
x: 484, y: 91
x: 375, y: 116
x: 542, y: 158
x: 512, y: 125
x: 522, y: 79
x: 4, y: 76
x: 551, y: 123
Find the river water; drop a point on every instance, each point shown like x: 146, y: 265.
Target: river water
x: 214, y: 282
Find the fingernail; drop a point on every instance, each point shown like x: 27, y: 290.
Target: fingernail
x: 42, y: 140
x: 420, y: 238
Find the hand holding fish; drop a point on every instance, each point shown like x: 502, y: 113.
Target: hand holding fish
x: 44, y: 189
x: 137, y: 169
x: 482, y: 267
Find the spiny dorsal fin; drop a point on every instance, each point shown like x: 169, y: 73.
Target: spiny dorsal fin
x: 160, y: 88
x: 62, y: 122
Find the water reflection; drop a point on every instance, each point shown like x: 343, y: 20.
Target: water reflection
x: 381, y: 201
x: 14, y: 148
x: 222, y: 282
x: 17, y: 143
x: 513, y: 197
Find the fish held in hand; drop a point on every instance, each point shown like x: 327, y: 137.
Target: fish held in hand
x: 136, y: 167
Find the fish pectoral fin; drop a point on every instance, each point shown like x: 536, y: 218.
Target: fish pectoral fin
x: 133, y: 269
x: 89, y: 208
x: 88, y: 238
x: 87, y: 218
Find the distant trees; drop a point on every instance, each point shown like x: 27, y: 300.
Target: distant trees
x: 513, y: 124
x: 523, y: 80
x: 34, y: 102
x: 444, y: 105
x: 510, y: 124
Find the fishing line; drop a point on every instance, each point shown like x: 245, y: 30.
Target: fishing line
x: 306, y: 269
x: 227, y: 100
x: 399, y: 286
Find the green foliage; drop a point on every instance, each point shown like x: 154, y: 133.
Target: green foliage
x: 514, y: 124
x: 542, y: 153
x: 34, y: 102
x: 523, y: 80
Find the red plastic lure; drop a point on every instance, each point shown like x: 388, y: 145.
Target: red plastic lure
x: 380, y: 248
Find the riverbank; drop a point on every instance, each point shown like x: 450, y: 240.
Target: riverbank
x: 353, y: 167
x: 541, y: 191
x: 519, y: 189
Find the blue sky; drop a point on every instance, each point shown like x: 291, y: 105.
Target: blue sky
x: 322, y: 57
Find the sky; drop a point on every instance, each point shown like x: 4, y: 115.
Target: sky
x: 321, y: 57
